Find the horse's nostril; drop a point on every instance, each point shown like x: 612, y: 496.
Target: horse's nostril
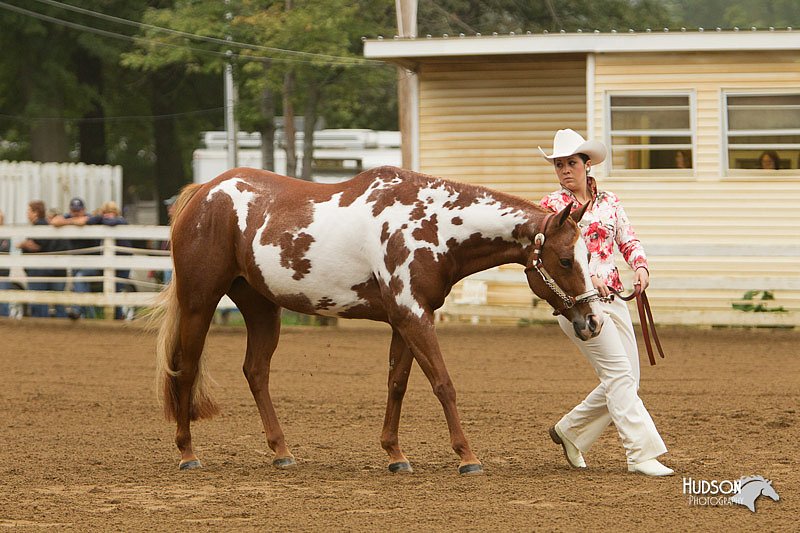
x: 593, y: 323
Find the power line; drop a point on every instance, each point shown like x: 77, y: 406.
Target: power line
x: 142, y: 25
x: 140, y: 40
x: 120, y: 118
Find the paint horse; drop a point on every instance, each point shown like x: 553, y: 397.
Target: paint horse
x: 387, y: 245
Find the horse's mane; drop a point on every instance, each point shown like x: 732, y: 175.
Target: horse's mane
x: 475, y: 189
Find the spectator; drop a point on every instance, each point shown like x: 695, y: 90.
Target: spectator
x: 78, y: 216
x: 5, y: 245
x: 683, y: 159
x: 36, y: 216
x: 769, y: 160
x: 109, y: 215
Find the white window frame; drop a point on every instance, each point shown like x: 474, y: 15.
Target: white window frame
x: 723, y: 105
x: 677, y: 172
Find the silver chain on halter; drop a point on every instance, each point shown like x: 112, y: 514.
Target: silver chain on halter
x: 569, y: 301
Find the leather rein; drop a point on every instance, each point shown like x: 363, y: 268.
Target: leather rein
x: 645, y: 320
x: 642, y: 302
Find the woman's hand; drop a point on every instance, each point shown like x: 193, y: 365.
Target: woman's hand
x: 598, y: 284
x: 641, y: 280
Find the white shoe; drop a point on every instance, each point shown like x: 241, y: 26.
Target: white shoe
x: 571, y: 452
x: 651, y: 467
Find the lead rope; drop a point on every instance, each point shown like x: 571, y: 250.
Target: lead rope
x: 645, y: 321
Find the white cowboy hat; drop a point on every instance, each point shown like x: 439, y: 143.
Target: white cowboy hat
x: 569, y: 142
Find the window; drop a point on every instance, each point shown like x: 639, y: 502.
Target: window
x: 763, y: 131
x: 651, y: 132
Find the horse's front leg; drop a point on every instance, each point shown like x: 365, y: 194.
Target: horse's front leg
x: 420, y: 336
x: 400, y: 360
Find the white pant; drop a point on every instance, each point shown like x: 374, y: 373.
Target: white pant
x: 615, y: 358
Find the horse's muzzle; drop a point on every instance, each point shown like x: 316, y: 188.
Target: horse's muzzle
x: 587, y: 327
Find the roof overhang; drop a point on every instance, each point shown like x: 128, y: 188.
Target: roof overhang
x: 412, y: 50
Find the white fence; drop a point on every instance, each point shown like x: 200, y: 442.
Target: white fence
x: 141, y: 260
x: 673, y: 293
x: 55, y: 184
x: 700, y: 296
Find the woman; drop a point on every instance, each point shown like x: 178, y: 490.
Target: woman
x: 770, y: 160
x: 110, y: 215
x: 36, y: 216
x: 613, y: 353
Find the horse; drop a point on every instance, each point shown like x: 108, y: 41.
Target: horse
x: 750, y: 488
x: 388, y: 245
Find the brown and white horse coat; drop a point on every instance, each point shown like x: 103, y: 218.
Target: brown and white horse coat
x: 387, y: 245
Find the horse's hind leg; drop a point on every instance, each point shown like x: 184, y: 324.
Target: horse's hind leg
x: 263, y: 320
x: 193, y: 329
x: 400, y: 360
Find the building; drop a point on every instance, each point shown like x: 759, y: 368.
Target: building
x: 339, y: 154
x: 686, y: 116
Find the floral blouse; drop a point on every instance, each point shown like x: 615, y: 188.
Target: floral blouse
x: 603, y: 224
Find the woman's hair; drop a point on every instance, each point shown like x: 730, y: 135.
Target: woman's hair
x: 772, y: 154
x: 110, y: 207
x: 591, y: 183
x: 37, y: 206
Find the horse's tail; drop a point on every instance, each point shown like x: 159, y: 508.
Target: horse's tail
x: 186, y: 194
x: 166, y: 315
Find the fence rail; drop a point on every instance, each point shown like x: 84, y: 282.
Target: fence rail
x: 698, y: 295
x: 141, y: 260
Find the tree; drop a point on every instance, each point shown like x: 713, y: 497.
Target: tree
x: 182, y: 77
x: 504, y: 16
x: 741, y: 13
x: 327, y: 33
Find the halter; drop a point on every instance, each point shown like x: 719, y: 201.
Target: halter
x: 537, y: 265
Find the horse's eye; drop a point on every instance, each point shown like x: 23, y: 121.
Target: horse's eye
x: 566, y: 263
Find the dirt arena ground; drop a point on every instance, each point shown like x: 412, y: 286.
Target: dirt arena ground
x: 83, y: 447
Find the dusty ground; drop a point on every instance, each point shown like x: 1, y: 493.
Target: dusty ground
x: 82, y: 446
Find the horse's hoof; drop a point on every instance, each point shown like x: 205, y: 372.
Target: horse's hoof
x: 471, y: 469
x: 190, y: 465
x: 401, y: 467
x: 284, y: 462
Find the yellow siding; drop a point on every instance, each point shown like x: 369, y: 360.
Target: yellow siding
x: 705, y: 75
x: 752, y: 215
x: 481, y: 121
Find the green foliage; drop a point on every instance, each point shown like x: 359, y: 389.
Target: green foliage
x: 168, y: 81
x: 503, y: 16
x: 749, y: 305
x: 739, y: 13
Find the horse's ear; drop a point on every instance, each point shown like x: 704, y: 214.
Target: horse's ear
x: 578, y: 215
x: 562, y: 216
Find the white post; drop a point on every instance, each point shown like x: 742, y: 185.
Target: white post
x: 408, y: 88
x: 231, y: 128
x: 230, y: 117
x: 109, y: 285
